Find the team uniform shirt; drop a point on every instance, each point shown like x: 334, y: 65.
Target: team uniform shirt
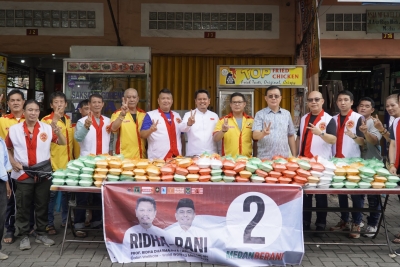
x: 166, y: 141
x: 7, y: 121
x: 200, y: 134
x: 193, y: 236
x: 236, y: 141
x: 395, y: 135
x: 345, y: 146
x: 30, y: 148
x: 128, y: 141
x: 370, y: 151
x: 61, y: 155
x: 312, y: 145
x: 276, y: 143
x: 96, y: 140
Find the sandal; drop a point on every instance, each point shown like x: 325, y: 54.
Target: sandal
x: 81, y: 234
x: 396, y: 241
x: 51, y: 230
x: 11, y: 236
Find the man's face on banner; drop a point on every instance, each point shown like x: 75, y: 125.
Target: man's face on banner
x: 146, y: 213
x: 185, y: 217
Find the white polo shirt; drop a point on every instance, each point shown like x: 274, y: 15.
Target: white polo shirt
x: 200, y: 134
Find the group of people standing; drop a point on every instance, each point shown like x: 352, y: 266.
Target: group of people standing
x: 27, y: 142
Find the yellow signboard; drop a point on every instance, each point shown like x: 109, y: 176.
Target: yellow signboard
x: 3, y: 65
x: 261, y: 76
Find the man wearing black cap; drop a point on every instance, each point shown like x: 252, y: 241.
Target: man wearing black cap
x: 186, y: 235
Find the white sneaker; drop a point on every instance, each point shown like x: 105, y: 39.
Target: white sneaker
x: 25, y: 244
x: 370, y: 229
x: 3, y: 256
x: 361, y: 224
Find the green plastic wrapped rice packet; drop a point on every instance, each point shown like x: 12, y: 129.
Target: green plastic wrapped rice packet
x: 79, y: 164
x: 87, y: 170
x: 73, y: 169
x: 73, y: 176
x: 337, y: 185
x: 71, y: 182
x: 382, y: 172
x: 90, y: 163
x: 338, y: 179
x: 281, y: 161
x: 257, y: 179
x: 364, y: 185
x: 217, y: 172
x: 265, y: 166
x: 393, y: 178
x: 367, y: 171
x: 350, y: 185
x: 125, y: 178
x: 305, y: 165
x: 85, y: 176
x: 255, y: 161
x: 58, y: 181
x: 367, y: 179
x: 228, y: 179
x: 85, y: 183
x: 59, y: 174
x: 250, y: 167
x: 179, y: 178
x: 390, y: 185
x: 217, y: 178
x: 113, y: 178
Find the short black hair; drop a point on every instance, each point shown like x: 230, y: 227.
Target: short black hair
x: 346, y: 92
x: 84, y: 102
x: 165, y: 91
x: 15, y: 91
x: 96, y: 96
x: 146, y: 199
x: 366, y: 98
x: 273, y: 87
x: 57, y: 94
x: 201, y: 91
x: 30, y: 101
x: 238, y: 94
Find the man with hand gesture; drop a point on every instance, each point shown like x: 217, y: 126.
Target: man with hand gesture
x: 126, y: 122
x: 235, y: 129
x: 315, y: 137
x: 199, y: 124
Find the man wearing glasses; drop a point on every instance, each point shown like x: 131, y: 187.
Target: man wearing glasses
x: 235, y: 129
x: 316, y: 136
x: 271, y: 125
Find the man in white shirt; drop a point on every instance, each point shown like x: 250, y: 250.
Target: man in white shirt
x: 186, y: 235
x: 199, y: 125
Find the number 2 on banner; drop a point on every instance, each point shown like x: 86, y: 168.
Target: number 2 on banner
x: 253, y: 220
x: 247, y: 238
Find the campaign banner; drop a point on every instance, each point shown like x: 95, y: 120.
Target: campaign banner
x: 261, y: 76
x: 233, y: 224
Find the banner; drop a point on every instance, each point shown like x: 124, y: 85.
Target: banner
x: 261, y: 76
x: 231, y: 224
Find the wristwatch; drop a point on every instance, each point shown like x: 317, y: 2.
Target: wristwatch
x: 322, y: 134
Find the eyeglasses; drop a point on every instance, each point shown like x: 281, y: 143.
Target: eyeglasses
x: 317, y: 99
x: 274, y: 96
x: 237, y: 102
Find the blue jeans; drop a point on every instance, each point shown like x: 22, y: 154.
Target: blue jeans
x: 373, y: 202
x: 358, y: 202
x: 321, y: 202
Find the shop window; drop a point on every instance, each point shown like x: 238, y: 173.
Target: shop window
x: 189, y: 21
x: 345, y: 22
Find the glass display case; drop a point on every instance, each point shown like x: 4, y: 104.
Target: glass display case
x: 83, y: 78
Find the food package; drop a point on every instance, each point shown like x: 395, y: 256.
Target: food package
x: 245, y: 174
x: 377, y: 185
x: 351, y: 171
x: 279, y: 167
x: 59, y: 174
x: 193, y: 169
x: 379, y: 179
x: 316, y: 173
x: 367, y: 171
x: 312, y: 179
x: 240, y: 179
x: 58, y: 181
x: 98, y: 177
x: 393, y: 179
x: 229, y: 173
x: 350, y: 185
x: 128, y: 166
x: 142, y: 164
x: 205, y: 171
x: 71, y: 182
x: 86, y: 170
x: 216, y: 179
x: 271, y: 180
x: 191, y: 177
x: 265, y: 166
x: 154, y: 178
x: 103, y: 164
x: 168, y: 169
x: 390, y: 185
x: 315, y: 166
x: 353, y: 178
x: 292, y: 166
x: 239, y: 166
x: 114, y: 164
x: 305, y: 165
x: 85, y: 183
x: 228, y: 179
x: 303, y: 173
x: 141, y: 178
x: 158, y: 162
x: 91, y: 163
x: 102, y: 171
x: 153, y: 171
x: 382, y: 172
x: 115, y: 171
x: 257, y: 179
x: 284, y: 180
x: 289, y: 174
x: 98, y: 183
x: 179, y: 178
x: 112, y: 178
x: 167, y: 178
x: 328, y: 173
x: 364, y: 185
x: 274, y: 174
x: 251, y: 167
x: 73, y: 176
x: 185, y: 162
x: 139, y: 171
x: 203, y: 163
x: 181, y: 171
x: 261, y: 173
x: 340, y: 172
x: 127, y: 173
x: 205, y: 178
x: 73, y: 169
x: 300, y: 180
x: 215, y: 164
x: 337, y: 184
x: 85, y: 176
x: 228, y: 165
x: 216, y: 172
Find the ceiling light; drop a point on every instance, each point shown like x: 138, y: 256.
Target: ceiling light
x: 54, y: 70
x: 22, y: 60
x: 53, y: 55
x: 79, y: 85
x: 349, y: 71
